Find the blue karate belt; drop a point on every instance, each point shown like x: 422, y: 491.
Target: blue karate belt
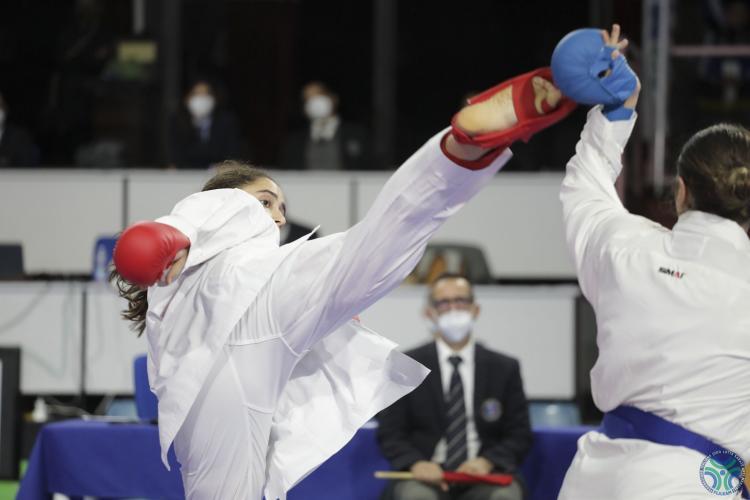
x: 628, y: 422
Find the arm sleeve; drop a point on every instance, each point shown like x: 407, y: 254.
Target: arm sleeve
x: 592, y: 212
x: 393, y: 436
x: 329, y: 280
x: 514, y: 439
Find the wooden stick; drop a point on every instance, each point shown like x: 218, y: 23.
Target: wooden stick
x: 393, y: 474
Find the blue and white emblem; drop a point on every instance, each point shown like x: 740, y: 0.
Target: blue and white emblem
x: 490, y: 410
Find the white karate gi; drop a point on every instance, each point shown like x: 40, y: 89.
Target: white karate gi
x: 254, y: 388
x: 676, y: 347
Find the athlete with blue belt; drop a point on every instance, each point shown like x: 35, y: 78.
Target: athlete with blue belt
x: 672, y: 306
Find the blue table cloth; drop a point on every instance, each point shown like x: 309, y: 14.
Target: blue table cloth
x: 107, y: 460
x: 549, y: 458
x: 99, y: 459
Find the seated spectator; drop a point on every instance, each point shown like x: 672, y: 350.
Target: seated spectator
x: 203, y: 134
x: 16, y: 147
x: 328, y: 143
x: 469, y: 415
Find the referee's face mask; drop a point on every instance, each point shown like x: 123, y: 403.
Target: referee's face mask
x: 451, y: 310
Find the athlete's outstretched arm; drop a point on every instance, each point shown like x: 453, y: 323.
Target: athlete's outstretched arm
x: 330, y: 279
x: 593, y: 214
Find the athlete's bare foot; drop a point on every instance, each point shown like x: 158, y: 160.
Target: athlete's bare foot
x: 497, y: 112
x: 545, y: 91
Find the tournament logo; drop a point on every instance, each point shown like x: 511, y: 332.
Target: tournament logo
x: 722, y: 473
x: 491, y: 410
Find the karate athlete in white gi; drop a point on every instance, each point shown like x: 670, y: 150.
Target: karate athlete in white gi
x: 673, y: 317
x: 260, y: 372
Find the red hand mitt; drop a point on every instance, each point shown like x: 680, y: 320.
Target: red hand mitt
x: 145, y: 250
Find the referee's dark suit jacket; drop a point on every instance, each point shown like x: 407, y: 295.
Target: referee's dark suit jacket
x: 410, y: 429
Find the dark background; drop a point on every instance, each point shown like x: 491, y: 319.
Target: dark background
x: 56, y: 74
x: 54, y: 57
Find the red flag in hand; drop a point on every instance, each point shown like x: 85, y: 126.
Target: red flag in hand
x: 463, y: 477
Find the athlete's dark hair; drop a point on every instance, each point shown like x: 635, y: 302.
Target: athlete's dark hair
x: 715, y: 165
x: 230, y: 174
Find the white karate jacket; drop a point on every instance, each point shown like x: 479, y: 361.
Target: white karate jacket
x: 337, y: 375
x: 673, y: 319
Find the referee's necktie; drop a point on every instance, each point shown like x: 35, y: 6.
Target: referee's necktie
x: 455, y: 434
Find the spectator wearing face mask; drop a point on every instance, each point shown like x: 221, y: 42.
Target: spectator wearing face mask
x: 16, y: 147
x: 328, y: 142
x: 203, y: 134
x: 469, y: 415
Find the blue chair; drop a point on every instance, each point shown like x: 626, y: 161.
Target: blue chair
x: 122, y: 407
x: 554, y: 414
x: 103, y: 250
x: 145, y: 401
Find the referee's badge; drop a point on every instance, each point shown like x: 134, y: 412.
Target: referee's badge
x: 491, y: 410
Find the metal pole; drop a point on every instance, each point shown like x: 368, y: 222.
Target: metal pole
x: 595, y: 13
x: 83, y: 349
x: 646, y: 109
x: 661, y: 94
x: 139, y: 17
x: 384, y: 82
x: 641, y: 176
x: 601, y: 13
x: 171, y: 17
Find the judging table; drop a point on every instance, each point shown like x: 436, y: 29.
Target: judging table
x: 107, y: 460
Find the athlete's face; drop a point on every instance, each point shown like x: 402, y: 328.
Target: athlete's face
x: 270, y: 195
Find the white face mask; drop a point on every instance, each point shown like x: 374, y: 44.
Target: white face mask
x: 2, y: 117
x: 200, y: 106
x: 455, y: 325
x: 318, y: 106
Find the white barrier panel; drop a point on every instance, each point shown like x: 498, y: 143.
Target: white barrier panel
x: 44, y: 320
x: 532, y: 323
x: 312, y: 198
x: 111, y: 346
x: 58, y: 214
x: 319, y: 198
x: 153, y: 193
x: 516, y: 220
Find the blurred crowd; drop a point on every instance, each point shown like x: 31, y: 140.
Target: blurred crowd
x: 94, y: 97
x: 205, y: 131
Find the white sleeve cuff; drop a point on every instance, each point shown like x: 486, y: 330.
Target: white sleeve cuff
x: 606, y: 136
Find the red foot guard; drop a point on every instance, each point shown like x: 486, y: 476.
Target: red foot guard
x: 529, y: 120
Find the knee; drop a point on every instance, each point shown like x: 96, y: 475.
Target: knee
x: 415, y: 490
x: 510, y: 492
